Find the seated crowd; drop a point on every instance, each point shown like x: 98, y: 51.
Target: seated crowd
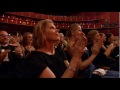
x: 47, y: 53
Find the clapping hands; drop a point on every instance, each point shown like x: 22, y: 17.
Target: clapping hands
x: 77, y: 44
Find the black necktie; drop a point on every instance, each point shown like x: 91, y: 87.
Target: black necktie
x: 4, y: 47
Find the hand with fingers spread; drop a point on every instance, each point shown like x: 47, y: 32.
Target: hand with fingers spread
x: 70, y: 45
x: 97, y: 44
x: 18, y: 51
x: 77, y: 45
x: 116, y: 43
x: 113, y: 45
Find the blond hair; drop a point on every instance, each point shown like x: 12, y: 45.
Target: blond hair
x: 24, y: 40
x: 91, y: 35
x: 39, y: 33
x: 70, y: 29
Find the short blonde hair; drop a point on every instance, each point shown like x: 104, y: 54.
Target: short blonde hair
x: 39, y: 33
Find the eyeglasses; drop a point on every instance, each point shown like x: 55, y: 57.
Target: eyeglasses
x: 1, y: 35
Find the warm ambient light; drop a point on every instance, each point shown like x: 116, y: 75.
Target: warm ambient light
x: 1, y: 18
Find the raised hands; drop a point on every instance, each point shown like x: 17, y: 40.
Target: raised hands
x: 77, y: 44
x: 97, y: 44
x: 18, y: 51
x: 116, y: 43
x: 113, y: 45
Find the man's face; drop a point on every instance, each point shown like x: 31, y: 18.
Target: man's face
x: 4, y: 37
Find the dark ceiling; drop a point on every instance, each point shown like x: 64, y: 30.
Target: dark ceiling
x: 58, y: 13
x: 58, y: 7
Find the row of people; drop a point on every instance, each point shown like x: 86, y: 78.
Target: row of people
x: 13, y: 49
x: 79, y: 57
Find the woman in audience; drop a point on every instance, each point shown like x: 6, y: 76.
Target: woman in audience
x: 46, y: 61
x: 102, y: 60
x: 62, y: 42
x: 104, y: 39
x: 109, y: 39
x: 27, y: 43
x: 86, y: 67
x: 15, y: 42
x: 19, y: 38
x: 114, y: 56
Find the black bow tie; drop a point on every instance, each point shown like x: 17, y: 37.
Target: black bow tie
x: 4, y: 47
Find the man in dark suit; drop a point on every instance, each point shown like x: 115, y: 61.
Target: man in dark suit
x: 8, y: 56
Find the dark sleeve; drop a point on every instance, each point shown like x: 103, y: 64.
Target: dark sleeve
x: 89, y: 46
x: 62, y: 53
x: 85, y: 55
x: 115, y: 52
x: 101, y: 59
x: 32, y: 67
